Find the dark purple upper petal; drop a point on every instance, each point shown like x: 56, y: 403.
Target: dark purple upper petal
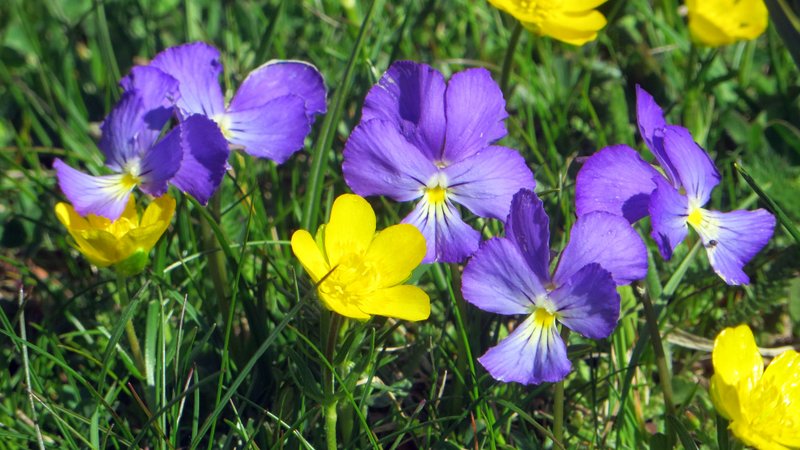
x: 378, y: 160
x: 197, y: 67
x: 447, y: 237
x: 476, y: 111
x: 615, y: 180
x: 124, y: 140
x: 651, y: 122
x: 411, y: 96
x: 529, y: 228
x: 159, y: 93
x: 485, y: 181
x: 588, y: 302
x: 605, y: 239
x: 105, y: 195
x: 497, y: 279
x: 278, y: 78
x: 692, y: 165
x: 669, y: 211
x: 205, y: 154
x: 161, y: 162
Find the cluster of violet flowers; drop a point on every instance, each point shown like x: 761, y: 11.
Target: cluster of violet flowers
x: 269, y: 117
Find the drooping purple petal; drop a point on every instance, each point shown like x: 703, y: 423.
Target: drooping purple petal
x: 691, y: 163
x: 485, y: 181
x: 205, y: 153
x: 105, y: 195
x: 448, y: 238
x: 615, y: 180
x: 608, y: 240
x: 651, y: 122
x: 529, y: 355
x: 161, y: 163
x: 411, y: 96
x: 123, y: 140
x: 278, y: 78
x: 158, y: 91
x: 528, y: 227
x: 475, y: 111
x: 669, y: 211
x: 497, y: 279
x: 274, y: 130
x: 197, y: 67
x: 732, y: 239
x: 378, y: 160
x: 588, y: 302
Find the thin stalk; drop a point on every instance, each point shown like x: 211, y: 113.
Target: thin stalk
x: 558, y: 402
x: 329, y: 408
x: 130, y: 331
x: 26, y: 365
x: 508, y: 61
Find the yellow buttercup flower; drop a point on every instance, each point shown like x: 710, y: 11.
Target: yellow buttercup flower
x: 763, y: 406
x: 572, y: 21
x: 722, y: 22
x: 124, y: 243
x: 362, y: 272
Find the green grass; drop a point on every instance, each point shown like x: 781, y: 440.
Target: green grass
x: 230, y: 330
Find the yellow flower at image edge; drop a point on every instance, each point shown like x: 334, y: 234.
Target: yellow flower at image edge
x: 721, y: 22
x: 125, y: 242
x: 363, y: 271
x: 575, y: 22
x: 763, y: 406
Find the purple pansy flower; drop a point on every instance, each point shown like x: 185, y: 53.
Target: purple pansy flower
x: 423, y: 138
x: 272, y: 111
x: 511, y: 275
x: 617, y: 180
x: 132, y: 149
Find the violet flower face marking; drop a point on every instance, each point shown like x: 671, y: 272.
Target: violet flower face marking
x: 511, y: 275
x: 424, y: 139
x: 272, y: 111
x: 618, y: 181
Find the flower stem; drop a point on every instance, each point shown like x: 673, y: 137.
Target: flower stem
x: 558, y: 402
x: 508, y: 61
x: 130, y: 331
x: 334, y: 322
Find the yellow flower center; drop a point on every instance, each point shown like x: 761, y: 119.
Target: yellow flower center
x: 224, y: 124
x: 695, y: 217
x: 436, y: 194
x: 543, y: 318
x: 350, y: 280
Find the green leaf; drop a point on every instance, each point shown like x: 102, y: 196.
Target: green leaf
x: 773, y: 206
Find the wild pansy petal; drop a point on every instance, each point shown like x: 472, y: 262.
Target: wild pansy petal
x: 161, y: 163
x: 475, y: 111
x: 205, y: 153
x: 694, y: 168
x: 197, y: 67
x: 497, y: 279
x: 278, y: 78
x: 533, y: 353
x: 158, y: 91
x: 104, y: 195
x: 669, y: 211
x: 573, y: 22
x: 350, y: 230
x: 588, y: 302
x: 411, y: 96
x: 448, y: 238
x: 402, y: 302
x: 486, y: 181
x: 608, y: 240
x: 721, y: 22
x: 274, y: 130
x: 732, y: 239
x: 124, y: 137
x: 650, y: 118
x: 615, y: 180
x: 528, y: 227
x: 395, y: 252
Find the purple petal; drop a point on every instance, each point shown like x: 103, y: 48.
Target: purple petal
x: 448, y: 238
x: 588, y: 302
x: 529, y: 228
x: 411, y: 96
x: 274, y: 130
x: 196, y: 66
x: 378, y: 160
x: 161, y: 163
x: 105, y: 195
x: 605, y: 239
x: 692, y: 165
x: 486, y: 181
x: 669, y: 211
x: 158, y: 91
x: 651, y: 122
x: 277, y: 79
x: 497, y: 279
x: 615, y: 180
x: 732, y: 239
x: 205, y: 154
x: 529, y: 355
x: 475, y: 111
x: 124, y: 139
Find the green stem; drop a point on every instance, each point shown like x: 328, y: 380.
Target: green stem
x: 558, y: 402
x: 508, y: 61
x: 329, y: 408
x: 130, y: 331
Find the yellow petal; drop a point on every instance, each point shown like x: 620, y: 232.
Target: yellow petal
x: 309, y: 254
x: 721, y: 22
x: 68, y: 217
x: 155, y: 221
x: 101, y: 248
x: 351, y: 228
x: 395, y: 252
x: 403, y: 302
x: 160, y: 209
x: 737, y: 368
x: 575, y: 29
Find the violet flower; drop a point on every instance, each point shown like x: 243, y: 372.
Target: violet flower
x: 423, y: 139
x: 511, y: 275
x: 617, y: 180
x: 132, y: 149
x: 272, y: 111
